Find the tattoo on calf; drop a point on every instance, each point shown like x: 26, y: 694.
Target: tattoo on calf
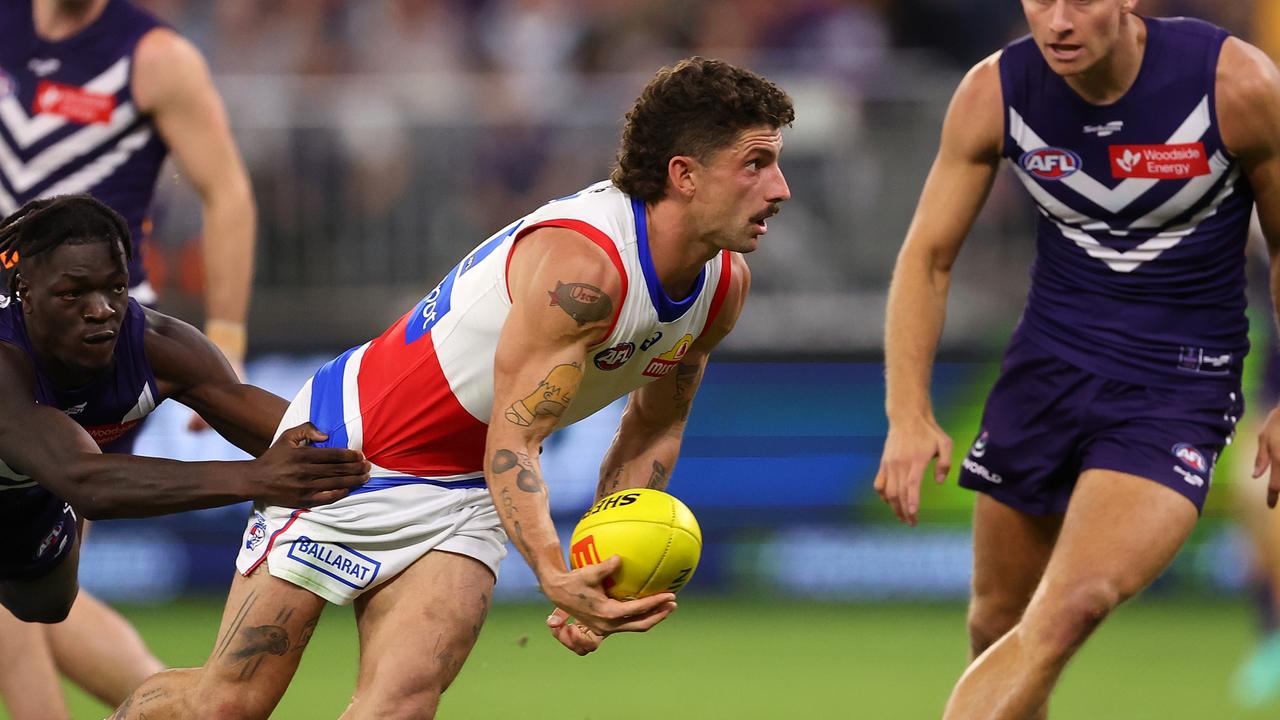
x: 584, y: 303
x: 658, y: 478
x: 527, y: 479
x: 550, y: 399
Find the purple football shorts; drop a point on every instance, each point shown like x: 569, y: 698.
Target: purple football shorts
x: 39, y: 531
x: 1047, y: 421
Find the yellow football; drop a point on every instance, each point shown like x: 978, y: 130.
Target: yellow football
x: 655, y: 534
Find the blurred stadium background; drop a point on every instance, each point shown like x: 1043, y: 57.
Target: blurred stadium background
x: 385, y: 138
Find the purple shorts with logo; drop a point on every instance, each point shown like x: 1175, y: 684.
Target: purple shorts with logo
x: 39, y: 532
x: 1046, y: 421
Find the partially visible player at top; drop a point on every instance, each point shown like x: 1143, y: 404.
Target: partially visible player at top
x: 1144, y: 143
x: 620, y: 289
x: 93, y: 95
x: 82, y: 363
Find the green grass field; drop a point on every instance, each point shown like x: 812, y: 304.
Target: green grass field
x: 734, y: 660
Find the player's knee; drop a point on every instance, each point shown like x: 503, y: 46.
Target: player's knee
x: 1069, y: 621
x: 989, y: 620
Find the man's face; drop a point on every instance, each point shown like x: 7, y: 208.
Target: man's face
x: 740, y: 188
x: 75, y: 297
x: 1074, y: 35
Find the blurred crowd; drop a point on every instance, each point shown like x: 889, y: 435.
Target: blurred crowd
x: 387, y: 137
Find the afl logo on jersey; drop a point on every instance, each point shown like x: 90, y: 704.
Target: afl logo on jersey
x: 1050, y: 163
x: 1190, y: 457
x: 615, y: 357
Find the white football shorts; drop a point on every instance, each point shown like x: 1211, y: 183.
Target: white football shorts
x: 341, y: 550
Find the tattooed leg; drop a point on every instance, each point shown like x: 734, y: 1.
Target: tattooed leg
x: 266, y: 624
x: 415, y: 634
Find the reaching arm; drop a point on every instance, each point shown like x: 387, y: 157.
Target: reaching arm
x: 954, y: 193
x: 48, y: 446
x: 564, y: 292
x: 647, y: 443
x: 1248, y: 99
x: 172, y: 83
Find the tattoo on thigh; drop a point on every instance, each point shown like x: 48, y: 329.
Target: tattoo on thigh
x: 582, y: 302
x: 527, y: 479
x: 484, y: 613
x: 308, y: 630
x: 258, y: 640
x: 550, y: 399
x: 234, y: 627
x: 658, y: 478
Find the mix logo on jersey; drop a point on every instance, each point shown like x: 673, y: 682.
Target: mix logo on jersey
x: 1159, y: 162
x: 662, y: 364
x: 1050, y: 163
x: 1189, y: 456
x: 615, y: 357
x: 74, y: 103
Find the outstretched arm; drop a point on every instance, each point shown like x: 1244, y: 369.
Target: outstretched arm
x: 647, y: 443
x: 1248, y: 98
x: 955, y: 191
x: 171, y: 82
x: 564, y: 292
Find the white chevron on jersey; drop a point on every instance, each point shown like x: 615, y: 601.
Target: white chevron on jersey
x: 30, y: 129
x: 1118, y: 198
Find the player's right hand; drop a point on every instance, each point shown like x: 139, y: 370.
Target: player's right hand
x: 293, y: 474
x: 908, y: 449
x: 1269, y: 455
x: 580, y: 594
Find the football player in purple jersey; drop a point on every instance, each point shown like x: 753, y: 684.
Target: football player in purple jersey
x: 1144, y: 143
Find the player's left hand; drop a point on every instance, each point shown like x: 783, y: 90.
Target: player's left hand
x: 575, y: 636
x: 1268, y: 455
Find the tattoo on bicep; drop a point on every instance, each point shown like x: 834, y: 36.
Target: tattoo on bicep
x: 658, y: 478
x: 551, y: 397
x: 527, y: 479
x: 582, y: 302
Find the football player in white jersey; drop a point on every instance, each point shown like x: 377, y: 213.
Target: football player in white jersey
x: 555, y: 317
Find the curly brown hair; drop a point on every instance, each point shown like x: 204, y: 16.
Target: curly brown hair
x: 693, y: 108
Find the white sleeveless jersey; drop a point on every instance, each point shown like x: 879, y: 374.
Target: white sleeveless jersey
x: 417, y: 399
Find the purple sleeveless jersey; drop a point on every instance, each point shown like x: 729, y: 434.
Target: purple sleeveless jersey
x: 39, y: 528
x: 1143, y: 213
x: 68, y: 122
x: 1129, y: 353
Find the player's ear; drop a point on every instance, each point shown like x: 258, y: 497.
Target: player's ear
x: 23, y: 289
x: 1128, y: 5
x: 680, y: 175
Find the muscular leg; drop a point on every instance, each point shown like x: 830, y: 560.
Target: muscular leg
x: 29, y: 681
x: 415, y: 633
x: 1120, y: 532
x: 266, y: 625
x: 1010, y: 551
x: 100, y: 651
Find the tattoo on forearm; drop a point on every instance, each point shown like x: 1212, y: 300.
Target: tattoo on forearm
x: 584, y: 303
x: 686, y: 384
x: 512, y: 513
x: 610, y: 483
x: 527, y: 479
x: 137, y: 699
x: 550, y: 398
x: 658, y: 478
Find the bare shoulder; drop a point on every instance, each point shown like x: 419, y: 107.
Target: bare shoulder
x: 734, y: 300
x: 1248, y: 99
x: 180, y: 355
x: 564, y: 256
x: 165, y: 65
x: 974, y: 128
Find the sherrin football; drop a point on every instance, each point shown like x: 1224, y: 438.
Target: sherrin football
x: 655, y: 534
